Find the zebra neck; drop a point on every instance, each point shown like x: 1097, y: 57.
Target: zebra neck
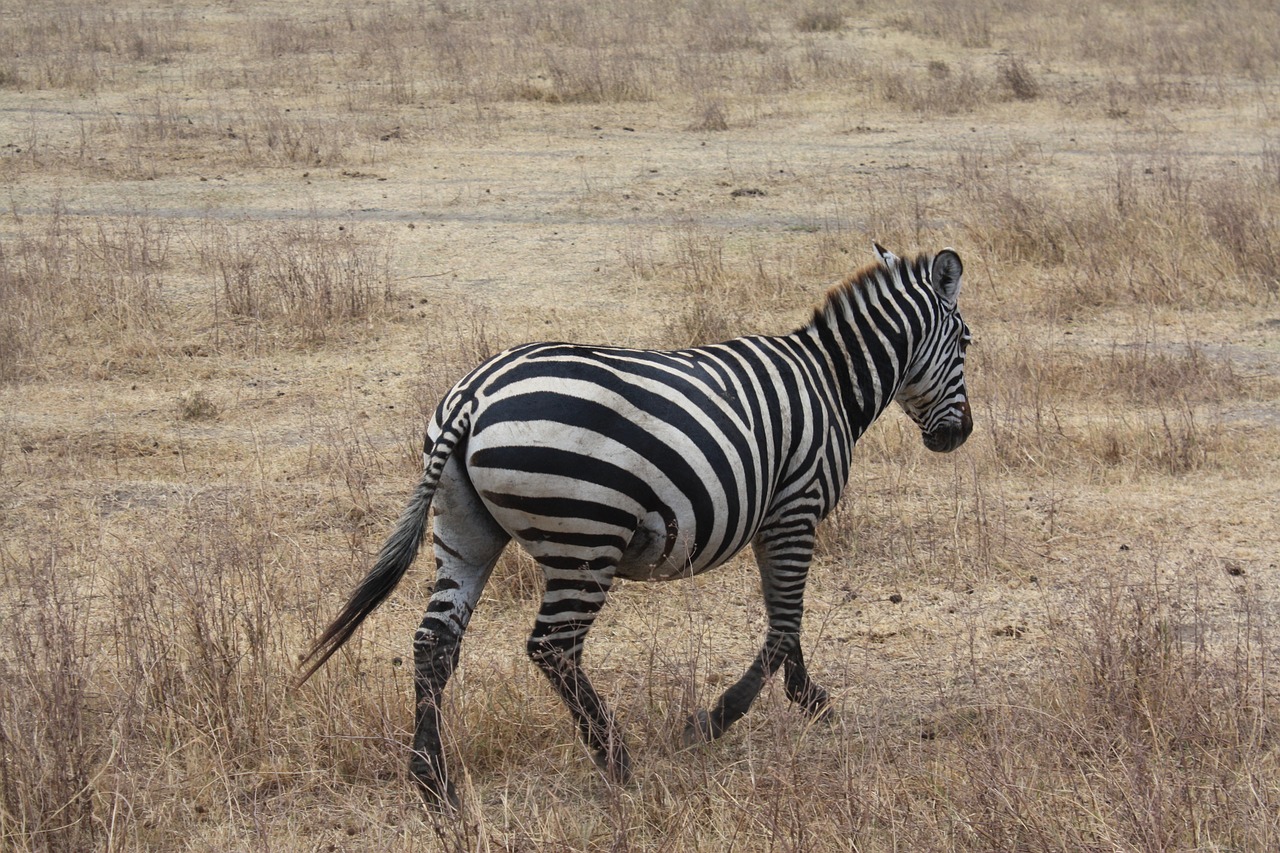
x: 864, y: 345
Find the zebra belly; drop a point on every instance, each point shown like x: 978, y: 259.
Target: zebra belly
x: 657, y: 552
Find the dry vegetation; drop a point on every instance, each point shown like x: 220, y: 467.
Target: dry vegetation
x: 246, y: 246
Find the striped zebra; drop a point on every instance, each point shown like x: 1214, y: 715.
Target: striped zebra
x: 607, y: 463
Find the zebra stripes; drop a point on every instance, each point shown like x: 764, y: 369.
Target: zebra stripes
x: 607, y: 463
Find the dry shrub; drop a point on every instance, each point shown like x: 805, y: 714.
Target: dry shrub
x: 204, y: 622
x: 1173, y: 440
x: 271, y: 134
x: 939, y: 89
x: 24, y: 269
x: 902, y: 519
x: 1239, y: 216
x: 197, y: 405
x: 103, y: 278
x: 1226, y: 39
x: 1017, y: 79
x: 261, y: 132
x: 591, y: 77
x: 1139, y: 371
x: 1035, y: 442
x: 86, y: 47
x: 459, y: 337
x: 968, y: 24
x: 10, y: 78
x: 820, y: 19
x: 52, y: 728
x: 1134, y: 237
x: 723, y: 27
x: 1141, y: 734
x: 712, y: 117
x: 1154, y: 427
x: 304, y: 282
x: 712, y: 307
x: 1144, y: 373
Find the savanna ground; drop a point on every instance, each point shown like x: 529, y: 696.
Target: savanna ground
x: 246, y: 246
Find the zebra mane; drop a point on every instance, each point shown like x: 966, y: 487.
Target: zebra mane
x: 869, y: 276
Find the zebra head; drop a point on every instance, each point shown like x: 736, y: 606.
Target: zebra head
x: 933, y: 393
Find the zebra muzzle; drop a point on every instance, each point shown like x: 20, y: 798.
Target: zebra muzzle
x: 950, y: 434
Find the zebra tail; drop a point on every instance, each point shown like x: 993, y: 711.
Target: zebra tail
x: 397, y: 554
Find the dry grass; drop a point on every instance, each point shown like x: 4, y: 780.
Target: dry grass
x: 1060, y: 638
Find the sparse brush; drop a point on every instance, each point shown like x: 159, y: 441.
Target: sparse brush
x: 940, y: 90
x: 714, y: 305
x: 302, y: 281
x: 197, y: 405
x: 1172, y: 440
x: 1018, y: 80
x: 104, y: 280
x: 820, y: 19
x: 966, y: 23
x: 52, y: 736
x: 711, y: 117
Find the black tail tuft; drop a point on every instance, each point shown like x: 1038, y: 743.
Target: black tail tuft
x: 397, y: 554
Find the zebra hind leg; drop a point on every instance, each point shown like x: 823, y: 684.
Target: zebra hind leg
x: 435, y: 655
x: 436, y: 647
x: 569, y: 607
x: 467, y: 544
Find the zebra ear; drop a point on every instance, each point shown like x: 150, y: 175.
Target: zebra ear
x: 946, y: 273
x: 886, y: 257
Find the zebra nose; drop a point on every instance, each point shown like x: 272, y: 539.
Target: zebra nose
x: 948, y: 436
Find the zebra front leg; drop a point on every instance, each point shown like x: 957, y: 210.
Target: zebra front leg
x: 811, y: 698
x: 734, y: 703
x: 569, y: 607
x: 783, y: 554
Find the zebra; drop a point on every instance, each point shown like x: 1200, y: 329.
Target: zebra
x: 646, y: 465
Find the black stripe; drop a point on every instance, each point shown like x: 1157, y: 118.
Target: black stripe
x: 557, y: 507
x: 556, y: 461
x: 590, y: 541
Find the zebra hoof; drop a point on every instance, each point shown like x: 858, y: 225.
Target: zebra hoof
x: 438, y: 795
x: 818, y: 707
x: 699, y: 730
x: 444, y: 802
x: 616, y: 766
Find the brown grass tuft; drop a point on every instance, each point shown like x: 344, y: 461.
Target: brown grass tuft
x: 297, y: 280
